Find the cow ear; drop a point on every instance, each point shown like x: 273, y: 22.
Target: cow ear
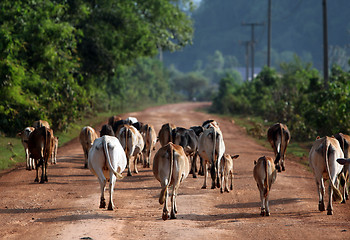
x: 318, y: 137
x: 234, y: 156
x: 254, y: 162
x: 19, y: 134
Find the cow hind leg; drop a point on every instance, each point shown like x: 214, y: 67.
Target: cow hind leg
x: 231, y: 186
x: 42, y: 180
x: 330, y: 207
x: 135, y: 164
x: 102, y: 188
x: 111, y: 189
x: 321, y: 191
x: 173, y: 203
x: 85, y: 158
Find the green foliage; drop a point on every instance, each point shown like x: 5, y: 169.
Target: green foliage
x: 296, y: 97
x: 61, y: 59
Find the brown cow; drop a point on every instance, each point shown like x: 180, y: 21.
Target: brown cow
x: 24, y: 135
x: 87, y: 137
x: 41, y: 123
x: 278, y: 135
x: 344, y: 141
x: 265, y: 175
x: 226, y: 169
x: 165, y: 134
x: 170, y: 168
x: 40, y: 144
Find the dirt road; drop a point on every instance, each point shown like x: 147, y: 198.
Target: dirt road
x: 67, y: 206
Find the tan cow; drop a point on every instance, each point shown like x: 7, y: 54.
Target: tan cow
x: 87, y: 137
x: 226, y: 170
x: 278, y: 135
x: 170, y: 168
x: 322, y: 160
x: 54, y: 151
x: 211, y: 148
x: 165, y: 133
x: 40, y: 144
x: 107, y: 161
x: 113, y: 119
x: 132, y: 143
x: 265, y: 175
x: 24, y: 135
x: 41, y: 123
x: 150, y: 138
x: 344, y: 141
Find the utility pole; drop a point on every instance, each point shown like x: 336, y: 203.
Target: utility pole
x: 246, y: 58
x: 269, y: 34
x: 252, y: 25
x: 325, y: 44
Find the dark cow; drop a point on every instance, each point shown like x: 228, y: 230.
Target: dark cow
x: 344, y: 141
x: 107, y: 130
x: 278, y: 135
x: 119, y: 124
x: 198, y: 130
x: 40, y: 145
x: 187, y: 139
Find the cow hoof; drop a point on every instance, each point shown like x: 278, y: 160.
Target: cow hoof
x: 213, y: 186
x: 173, y: 216
x: 226, y: 190
x: 36, y: 180
x: 165, y: 216
x: 204, y: 187
x: 85, y: 166
x: 283, y: 168
x: 110, y: 206
x: 262, y: 213
x: 129, y: 174
x: 191, y: 171
x: 344, y: 201
x: 221, y: 191
x: 329, y: 212
x: 194, y: 176
x: 267, y: 214
x: 321, y: 207
x: 231, y: 188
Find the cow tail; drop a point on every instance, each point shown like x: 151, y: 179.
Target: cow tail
x: 110, y: 167
x: 171, y: 154
x: 266, y: 181
x: 278, y: 155
x: 337, y: 195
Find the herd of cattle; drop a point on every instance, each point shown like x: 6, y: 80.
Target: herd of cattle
x: 124, y: 140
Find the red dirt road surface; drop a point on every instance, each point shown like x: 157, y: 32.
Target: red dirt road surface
x: 67, y: 206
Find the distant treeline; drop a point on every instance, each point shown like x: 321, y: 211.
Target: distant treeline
x: 297, y: 96
x: 60, y: 60
x: 296, y: 28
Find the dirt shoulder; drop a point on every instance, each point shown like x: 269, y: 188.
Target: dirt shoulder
x: 67, y: 206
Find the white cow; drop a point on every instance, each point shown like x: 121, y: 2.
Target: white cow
x: 211, y: 148
x: 322, y: 160
x: 132, y: 143
x: 24, y: 135
x: 107, y: 161
x: 132, y: 120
